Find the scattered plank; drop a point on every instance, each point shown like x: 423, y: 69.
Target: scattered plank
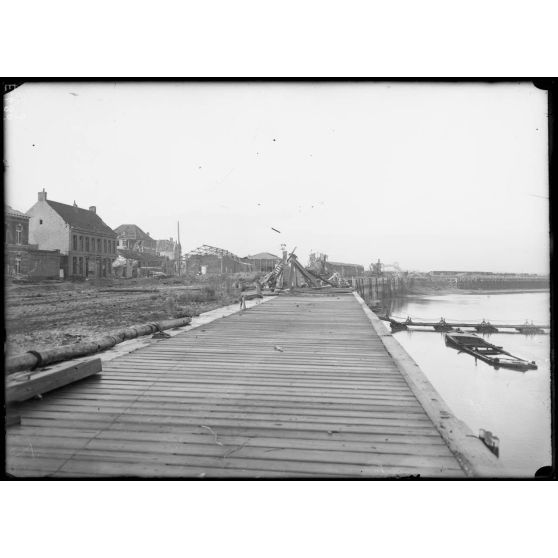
x: 24, y: 386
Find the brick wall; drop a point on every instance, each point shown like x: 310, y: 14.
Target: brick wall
x: 44, y: 264
x: 25, y: 261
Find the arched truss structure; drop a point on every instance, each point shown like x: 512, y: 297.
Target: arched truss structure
x: 207, y: 250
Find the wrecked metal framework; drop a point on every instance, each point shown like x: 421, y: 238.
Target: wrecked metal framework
x: 212, y: 260
x: 206, y: 250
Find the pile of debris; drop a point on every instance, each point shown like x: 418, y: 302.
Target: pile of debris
x: 290, y: 274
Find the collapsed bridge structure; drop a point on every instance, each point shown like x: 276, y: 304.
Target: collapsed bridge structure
x: 290, y: 274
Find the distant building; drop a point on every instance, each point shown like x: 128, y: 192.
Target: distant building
x: 23, y: 259
x: 86, y: 243
x: 171, y: 250
x: 319, y: 263
x: 140, y: 264
x: 131, y: 237
x: 263, y: 261
x: 345, y: 269
x: 453, y: 274
x: 168, y: 248
x: 211, y: 260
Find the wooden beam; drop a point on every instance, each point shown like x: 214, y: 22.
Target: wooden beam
x: 12, y: 420
x: 20, y: 387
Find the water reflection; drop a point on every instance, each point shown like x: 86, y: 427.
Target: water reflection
x: 513, y: 405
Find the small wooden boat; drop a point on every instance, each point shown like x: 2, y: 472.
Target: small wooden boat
x: 487, y: 352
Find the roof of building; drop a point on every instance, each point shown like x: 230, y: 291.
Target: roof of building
x: 82, y: 218
x: 132, y: 231
x: 15, y: 213
x: 263, y: 256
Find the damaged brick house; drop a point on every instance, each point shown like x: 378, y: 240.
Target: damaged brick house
x: 87, y: 244
x: 171, y: 250
x: 138, y: 254
x: 131, y: 237
x: 22, y: 259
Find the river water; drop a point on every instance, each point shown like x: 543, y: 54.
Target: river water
x: 515, y: 406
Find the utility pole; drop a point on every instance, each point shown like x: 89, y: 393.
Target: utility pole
x: 179, y: 251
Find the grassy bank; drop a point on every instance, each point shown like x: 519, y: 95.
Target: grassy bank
x: 49, y: 314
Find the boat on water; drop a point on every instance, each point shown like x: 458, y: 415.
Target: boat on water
x: 494, y: 355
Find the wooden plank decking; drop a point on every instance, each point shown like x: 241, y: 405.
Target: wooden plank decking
x: 297, y: 386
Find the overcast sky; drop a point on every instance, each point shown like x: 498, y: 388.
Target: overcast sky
x: 433, y: 176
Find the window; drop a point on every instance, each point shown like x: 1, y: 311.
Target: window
x: 81, y: 243
x: 75, y: 242
x: 74, y: 264
x: 87, y: 244
x: 18, y: 265
x: 40, y: 221
x: 92, y: 245
x: 105, y: 245
x: 19, y: 230
x: 99, y: 245
x: 81, y: 266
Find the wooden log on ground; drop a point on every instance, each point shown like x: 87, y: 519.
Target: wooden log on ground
x: 67, y: 352
x: 32, y: 359
x: 27, y: 361
x: 24, y: 386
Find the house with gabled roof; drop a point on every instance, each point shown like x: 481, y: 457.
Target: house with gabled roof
x: 87, y: 244
x: 132, y: 237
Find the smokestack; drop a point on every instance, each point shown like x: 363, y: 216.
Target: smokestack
x: 284, y: 250
x: 42, y: 195
x: 93, y: 208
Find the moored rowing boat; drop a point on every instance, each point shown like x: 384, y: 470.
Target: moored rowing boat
x: 494, y: 355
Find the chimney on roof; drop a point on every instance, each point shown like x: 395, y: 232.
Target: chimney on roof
x: 75, y: 204
x: 42, y: 195
x: 93, y: 208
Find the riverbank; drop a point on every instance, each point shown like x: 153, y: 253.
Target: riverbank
x: 50, y: 314
x: 440, y: 289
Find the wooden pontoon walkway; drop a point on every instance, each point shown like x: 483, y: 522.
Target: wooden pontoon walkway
x: 296, y: 386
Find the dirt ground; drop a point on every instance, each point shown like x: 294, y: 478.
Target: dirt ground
x: 50, y: 313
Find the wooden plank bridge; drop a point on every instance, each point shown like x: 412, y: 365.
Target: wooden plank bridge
x: 296, y: 386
